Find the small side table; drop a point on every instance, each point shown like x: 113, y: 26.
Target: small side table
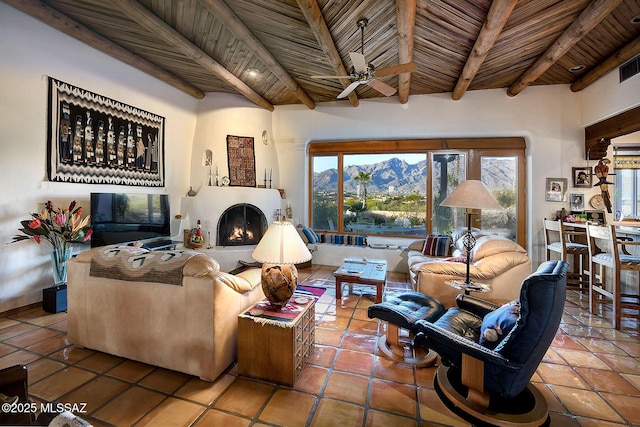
x: 469, y: 287
x: 275, y: 350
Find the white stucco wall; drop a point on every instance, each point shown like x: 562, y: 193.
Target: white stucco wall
x: 223, y: 114
x: 607, y: 97
x: 29, y: 52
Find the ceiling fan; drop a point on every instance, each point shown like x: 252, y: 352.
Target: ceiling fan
x: 364, y: 73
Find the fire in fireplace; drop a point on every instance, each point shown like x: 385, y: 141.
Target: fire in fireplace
x: 241, y: 224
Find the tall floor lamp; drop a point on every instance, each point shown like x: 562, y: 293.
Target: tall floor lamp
x: 470, y: 194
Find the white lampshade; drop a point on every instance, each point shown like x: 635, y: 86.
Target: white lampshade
x: 471, y: 194
x: 281, y: 244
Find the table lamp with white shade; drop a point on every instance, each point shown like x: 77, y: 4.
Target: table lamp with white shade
x: 279, y: 250
x: 471, y: 194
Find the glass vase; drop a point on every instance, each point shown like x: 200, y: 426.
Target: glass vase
x: 59, y: 258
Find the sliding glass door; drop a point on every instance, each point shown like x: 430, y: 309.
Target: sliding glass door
x: 501, y: 174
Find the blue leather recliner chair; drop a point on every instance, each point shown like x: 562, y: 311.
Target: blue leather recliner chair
x: 489, y: 353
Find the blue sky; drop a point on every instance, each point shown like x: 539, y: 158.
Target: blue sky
x: 323, y: 163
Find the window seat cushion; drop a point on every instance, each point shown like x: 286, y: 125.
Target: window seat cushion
x: 343, y: 239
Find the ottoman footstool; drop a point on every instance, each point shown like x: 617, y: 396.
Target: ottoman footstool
x: 401, y: 312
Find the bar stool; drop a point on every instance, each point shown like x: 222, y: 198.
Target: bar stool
x: 608, y: 252
x: 558, y: 239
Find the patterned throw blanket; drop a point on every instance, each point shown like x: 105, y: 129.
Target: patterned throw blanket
x: 140, y: 265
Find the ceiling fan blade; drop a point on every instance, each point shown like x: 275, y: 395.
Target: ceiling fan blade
x: 349, y: 89
x: 382, y: 87
x: 330, y: 77
x: 358, y: 61
x: 409, y: 67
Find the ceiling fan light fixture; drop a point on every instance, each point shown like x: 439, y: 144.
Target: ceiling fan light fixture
x: 253, y: 72
x: 363, y: 72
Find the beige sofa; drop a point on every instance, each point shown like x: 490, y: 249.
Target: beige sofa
x: 495, y: 261
x: 172, y: 309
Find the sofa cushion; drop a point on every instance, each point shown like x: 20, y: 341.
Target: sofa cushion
x: 459, y: 258
x: 497, y: 324
x: 437, y: 245
x: 490, y: 245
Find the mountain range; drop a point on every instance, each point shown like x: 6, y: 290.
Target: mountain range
x: 396, y: 176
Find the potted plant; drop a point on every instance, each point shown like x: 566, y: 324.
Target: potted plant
x: 60, y: 227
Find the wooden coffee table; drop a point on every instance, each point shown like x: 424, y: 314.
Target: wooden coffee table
x: 362, y: 271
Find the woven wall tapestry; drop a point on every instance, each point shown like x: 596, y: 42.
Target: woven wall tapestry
x: 93, y: 139
x: 242, y: 161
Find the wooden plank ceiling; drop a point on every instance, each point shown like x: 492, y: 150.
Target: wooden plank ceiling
x: 267, y: 50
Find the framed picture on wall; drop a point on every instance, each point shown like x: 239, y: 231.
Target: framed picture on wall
x: 582, y: 177
x: 577, y: 202
x: 555, y: 189
x: 242, y: 161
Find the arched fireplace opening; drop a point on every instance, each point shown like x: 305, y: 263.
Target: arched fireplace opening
x: 241, y: 224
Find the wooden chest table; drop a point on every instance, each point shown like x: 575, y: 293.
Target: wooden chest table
x: 275, y: 349
x: 362, y: 271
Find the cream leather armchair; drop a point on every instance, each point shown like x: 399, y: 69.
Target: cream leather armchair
x: 495, y: 261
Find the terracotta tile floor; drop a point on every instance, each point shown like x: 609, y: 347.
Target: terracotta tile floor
x: 590, y: 376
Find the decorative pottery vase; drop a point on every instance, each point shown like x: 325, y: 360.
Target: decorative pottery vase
x: 59, y: 258
x: 278, y: 283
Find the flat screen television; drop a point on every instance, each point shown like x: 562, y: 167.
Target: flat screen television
x: 125, y: 218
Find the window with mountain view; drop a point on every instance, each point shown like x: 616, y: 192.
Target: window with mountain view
x: 447, y: 171
x: 325, y: 193
x: 499, y: 175
x: 377, y: 188
x: 384, y: 194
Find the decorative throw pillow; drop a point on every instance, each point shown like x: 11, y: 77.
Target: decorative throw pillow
x: 497, y: 324
x: 437, y: 245
x: 311, y: 235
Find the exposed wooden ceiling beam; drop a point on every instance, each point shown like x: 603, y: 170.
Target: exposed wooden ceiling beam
x: 406, y: 17
x: 614, y: 61
x: 622, y: 124
x: 591, y: 16
x: 230, y: 20
x: 497, y: 17
x: 57, y: 20
x: 313, y: 14
x: 157, y: 26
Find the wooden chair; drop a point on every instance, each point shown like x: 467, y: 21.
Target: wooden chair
x: 569, y: 242
x: 609, y: 259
